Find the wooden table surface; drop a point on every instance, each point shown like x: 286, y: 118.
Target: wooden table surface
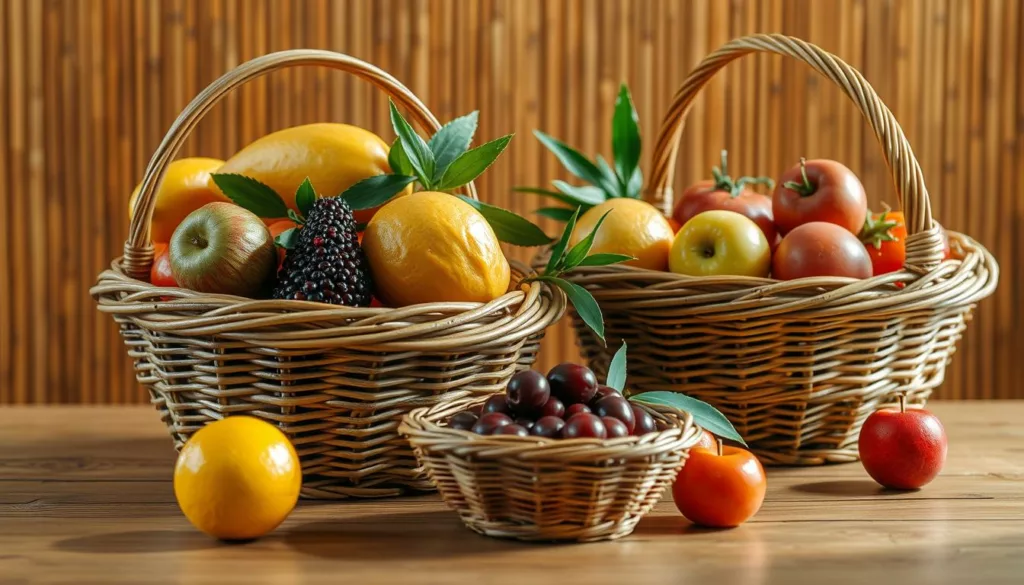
x: 86, y: 497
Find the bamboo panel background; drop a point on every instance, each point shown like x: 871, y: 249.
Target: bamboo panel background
x: 88, y: 87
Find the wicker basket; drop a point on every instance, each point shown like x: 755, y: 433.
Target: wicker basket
x: 546, y: 489
x: 336, y: 380
x: 797, y: 366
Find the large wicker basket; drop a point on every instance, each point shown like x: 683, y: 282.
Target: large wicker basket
x: 336, y: 380
x: 533, y: 488
x: 797, y: 366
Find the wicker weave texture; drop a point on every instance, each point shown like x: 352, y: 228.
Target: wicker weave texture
x: 335, y: 380
x: 798, y: 365
x: 546, y: 489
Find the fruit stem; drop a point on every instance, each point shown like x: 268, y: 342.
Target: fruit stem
x: 718, y: 441
x: 804, y: 188
x: 723, y: 182
x: 903, y: 403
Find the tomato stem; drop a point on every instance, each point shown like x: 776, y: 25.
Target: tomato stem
x: 804, y: 188
x: 723, y: 182
x: 878, y: 230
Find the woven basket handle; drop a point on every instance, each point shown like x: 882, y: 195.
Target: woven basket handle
x: 138, y: 249
x: 924, y: 243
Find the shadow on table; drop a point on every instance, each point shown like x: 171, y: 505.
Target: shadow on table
x: 395, y: 536
x: 139, y: 541
x: 847, y: 487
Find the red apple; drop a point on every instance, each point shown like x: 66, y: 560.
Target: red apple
x: 225, y: 249
x: 902, y: 449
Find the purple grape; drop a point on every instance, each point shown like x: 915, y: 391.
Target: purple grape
x: 576, y: 409
x: 496, y: 403
x: 603, y: 391
x: 486, y: 424
x: 527, y: 392
x: 548, y: 426
x: 572, y: 383
x: 462, y: 420
x: 524, y: 422
x: 553, y: 407
x: 644, y: 421
x: 615, y: 427
x: 584, y: 426
x: 512, y: 429
x: 616, y: 407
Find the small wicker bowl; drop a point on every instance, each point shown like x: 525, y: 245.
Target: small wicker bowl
x: 538, y: 489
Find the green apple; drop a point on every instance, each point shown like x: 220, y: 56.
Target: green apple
x: 720, y: 242
x: 225, y: 249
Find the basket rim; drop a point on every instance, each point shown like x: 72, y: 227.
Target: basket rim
x: 421, y: 430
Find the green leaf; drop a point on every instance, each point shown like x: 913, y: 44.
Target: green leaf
x: 610, y: 176
x: 578, y: 252
x: 584, y: 303
x: 556, y: 213
x: 251, y: 194
x: 374, y: 191
x: 415, y: 149
x: 575, y: 162
x: 625, y: 137
x: 398, y: 161
x: 704, y: 414
x: 636, y: 184
x: 605, y: 259
x: 617, y: 370
x: 586, y: 194
x: 508, y: 226
x: 471, y: 163
x: 567, y: 199
x: 305, y: 197
x: 558, y: 250
x: 292, y: 215
x: 451, y: 141
x: 287, y: 238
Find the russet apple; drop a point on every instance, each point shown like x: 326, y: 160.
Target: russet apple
x: 224, y: 249
x: 720, y: 242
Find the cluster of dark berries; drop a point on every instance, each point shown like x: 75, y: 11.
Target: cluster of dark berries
x: 327, y: 263
x: 566, y: 404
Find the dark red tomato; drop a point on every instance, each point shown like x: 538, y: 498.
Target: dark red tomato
x: 722, y: 192
x: 819, y: 190
x: 885, y: 238
x: 820, y: 249
x: 160, y: 274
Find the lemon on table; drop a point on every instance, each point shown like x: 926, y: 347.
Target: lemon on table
x: 185, y: 188
x: 333, y: 156
x: 634, y: 228
x: 434, y: 247
x: 237, y: 478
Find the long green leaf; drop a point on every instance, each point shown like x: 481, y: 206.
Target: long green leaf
x: 605, y: 259
x: 509, y: 227
x: 610, y: 176
x: 451, y: 141
x: 416, y: 150
x: 374, y: 191
x: 636, y: 184
x: 617, y: 369
x: 558, y: 250
x: 305, y: 197
x: 625, y: 137
x: 575, y: 162
x: 251, y: 194
x: 471, y: 163
x: 585, y: 193
x: 585, y: 305
x: 704, y: 414
x: 556, y: 213
x: 567, y: 199
x: 398, y: 161
x: 578, y: 252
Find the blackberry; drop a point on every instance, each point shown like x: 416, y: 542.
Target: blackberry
x: 327, y: 264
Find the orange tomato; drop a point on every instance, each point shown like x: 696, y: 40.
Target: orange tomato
x: 720, y: 491
x: 885, y: 238
x: 160, y: 274
x: 277, y: 228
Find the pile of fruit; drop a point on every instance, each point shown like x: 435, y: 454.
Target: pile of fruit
x: 815, y: 223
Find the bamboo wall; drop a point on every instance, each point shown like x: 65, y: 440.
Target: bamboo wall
x: 88, y: 87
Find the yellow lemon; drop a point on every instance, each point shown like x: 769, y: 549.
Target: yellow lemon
x: 633, y: 227
x: 432, y: 247
x: 237, y: 478
x: 333, y: 156
x: 186, y: 188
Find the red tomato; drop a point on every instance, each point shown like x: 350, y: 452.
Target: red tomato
x: 722, y: 192
x: 820, y: 249
x: 719, y: 490
x: 276, y: 229
x: 160, y: 274
x: 819, y: 190
x: 885, y: 238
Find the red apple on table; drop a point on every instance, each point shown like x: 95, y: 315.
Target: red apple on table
x: 902, y: 449
x: 720, y: 242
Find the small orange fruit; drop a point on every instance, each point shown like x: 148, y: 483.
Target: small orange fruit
x: 186, y: 188
x: 633, y: 227
x: 276, y: 229
x: 237, y: 478
x: 433, y: 247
